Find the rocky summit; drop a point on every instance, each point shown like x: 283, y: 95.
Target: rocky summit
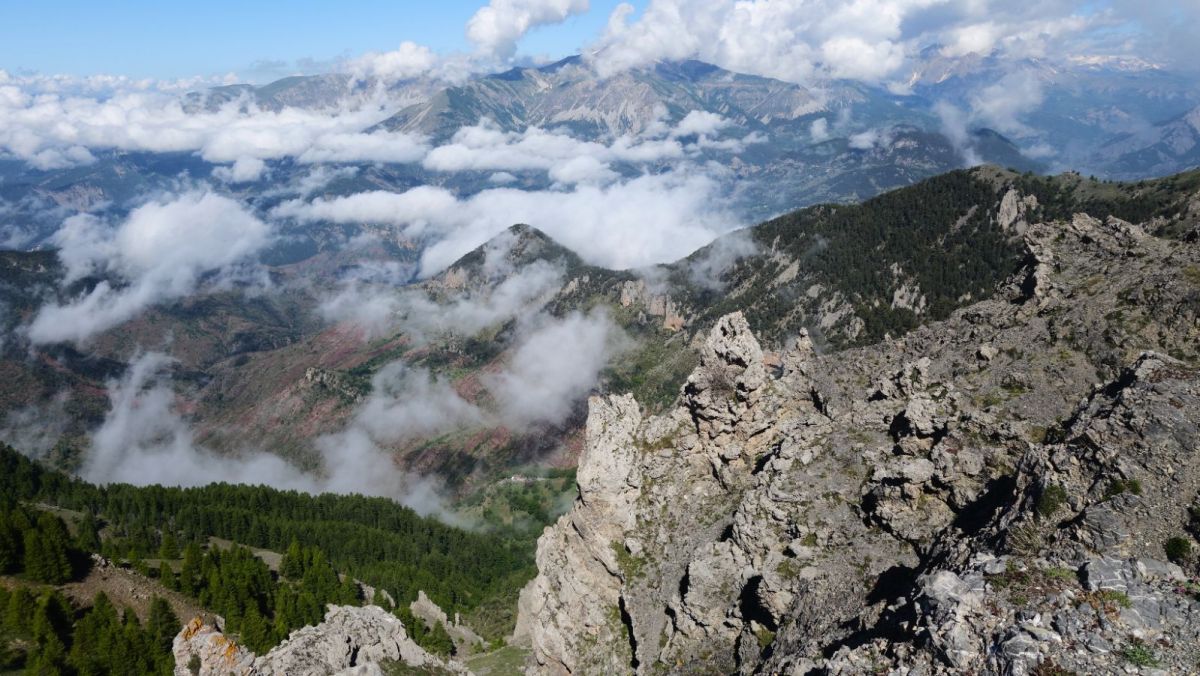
x: 1013, y: 490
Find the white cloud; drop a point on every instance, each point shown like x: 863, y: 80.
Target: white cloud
x: 856, y: 58
x: 819, y: 130
x: 409, y: 60
x: 553, y: 368
x: 485, y: 147
x: 372, y: 303
x: 144, y: 440
x: 700, y: 123
x: 555, y: 363
x: 53, y: 130
x: 569, y: 161
x: 955, y: 127
x: 650, y: 219
x: 865, y: 140
x: 1001, y: 105
x: 497, y: 27
x: 160, y: 252
x: 806, y: 40
x: 244, y: 170
x: 706, y: 270
x: 977, y: 38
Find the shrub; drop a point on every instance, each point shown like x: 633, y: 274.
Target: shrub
x: 1179, y: 549
x: 1139, y: 654
x: 1119, y: 486
x: 1051, y: 500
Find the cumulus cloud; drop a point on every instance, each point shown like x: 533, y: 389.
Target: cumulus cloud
x: 160, y: 252
x: 866, y: 140
x: 316, y: 180
x: 497, y: 27
x: 649, y: 219
x: 406, y: 404
x: 367, y: 298
x: 468, y: 315
x: 53, y: 130
x: 36, y: 429
x: 789, y: 39
x: 700, y: 123
x: 244, y: 170
x: 807, y: 40
x: 144, y: 440
x: 409, y: 60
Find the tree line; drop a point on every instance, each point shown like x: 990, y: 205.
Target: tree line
x: 328, y: 543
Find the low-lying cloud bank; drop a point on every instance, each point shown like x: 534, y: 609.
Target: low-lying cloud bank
x: 554, y: 364
x: 53, y: 130
x: 649, y: 219
x: 160, y: 252
x: 145, y: 440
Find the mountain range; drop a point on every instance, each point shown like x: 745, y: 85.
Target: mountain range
x: 784, y: 145
x: 884, y: 379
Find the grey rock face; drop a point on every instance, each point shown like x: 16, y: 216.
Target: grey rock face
x: 350, y: 641
x: 964, y: 499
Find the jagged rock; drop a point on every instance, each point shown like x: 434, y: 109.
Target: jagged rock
x: 919, y: 506
x: 1013, y: 209
x: 349, y: 640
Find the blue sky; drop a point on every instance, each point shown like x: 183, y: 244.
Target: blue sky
x: 170, y: 38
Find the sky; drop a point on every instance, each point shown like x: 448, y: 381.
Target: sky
x: 258, y: 41
x: 794, y: 40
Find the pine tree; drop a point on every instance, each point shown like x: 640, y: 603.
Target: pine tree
x: 256, y: 633
x: 292, y: 565
x: 167, y: 576
x: 51, y: 627
x: 162, y: 625
x: 10, y: 544
x: 46, y: 556
x: 20, y: 609
x: 87, y: 536
x: 94, y: 643
x: 189, y: 572
x: 169, y: 549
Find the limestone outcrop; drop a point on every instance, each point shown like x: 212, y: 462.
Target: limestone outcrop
x: 999, y: 492
x: 351, y: 640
